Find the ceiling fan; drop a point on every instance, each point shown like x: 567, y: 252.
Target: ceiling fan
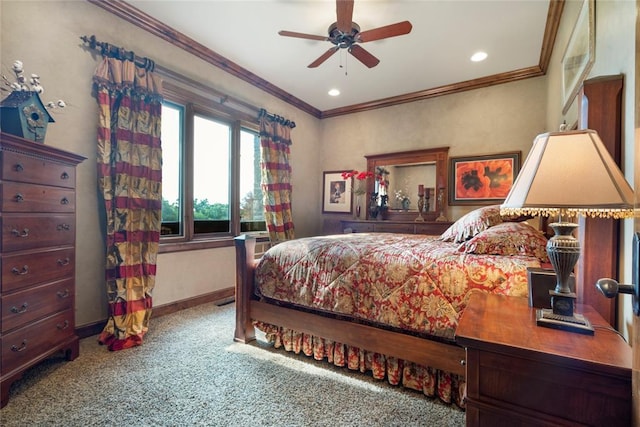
x: 345, y: 34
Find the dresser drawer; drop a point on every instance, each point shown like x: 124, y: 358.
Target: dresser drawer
x: 524, y: 385
x: 18, y: 197
x: 20, y: 231
x: 393, y: 228
x: 432, y: 228
x: 358, y: 227
x: 25, y: 344
x: 26, y: 269
x: 22, y: 307
x: 19, y: 167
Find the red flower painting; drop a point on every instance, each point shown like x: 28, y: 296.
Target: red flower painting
x: 481, y: 179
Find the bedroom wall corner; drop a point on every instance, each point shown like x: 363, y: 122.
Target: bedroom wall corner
x: 54, y: 51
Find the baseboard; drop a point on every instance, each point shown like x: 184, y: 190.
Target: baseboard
x: 221, y: 297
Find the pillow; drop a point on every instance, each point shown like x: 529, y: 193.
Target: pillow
x: 472, y: 223
x: 508, y: 238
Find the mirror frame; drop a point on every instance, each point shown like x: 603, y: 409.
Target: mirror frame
x: 439, y: 156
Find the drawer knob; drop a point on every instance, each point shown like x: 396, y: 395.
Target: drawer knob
x: 64, y: 175
x: 62, y: 326
x: 463, y: 362
x: 23, y: 346
x: 63, y: 294
x: 64, y: 201
x: 18, y: 198
x: 17, y: 310
x: 17, y: 233
x: 63, y: 227
x: 20, y: 272
x: 63, y: 261
x: 18, y: 167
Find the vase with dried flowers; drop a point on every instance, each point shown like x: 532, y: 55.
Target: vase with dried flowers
x: 359, y: 189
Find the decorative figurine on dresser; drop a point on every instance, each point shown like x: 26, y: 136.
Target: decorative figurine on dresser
x: 23, y: 113
x: 38, y: 256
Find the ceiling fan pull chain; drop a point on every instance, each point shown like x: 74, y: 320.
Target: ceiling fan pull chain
x: 344, y: 56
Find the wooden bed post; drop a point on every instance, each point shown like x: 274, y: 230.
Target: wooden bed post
x: 245, y: 265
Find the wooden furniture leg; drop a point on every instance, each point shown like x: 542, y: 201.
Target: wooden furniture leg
x: 245, y: 266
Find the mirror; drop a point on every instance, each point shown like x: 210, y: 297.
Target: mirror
x: 405, y: 174
x: 404, y: 181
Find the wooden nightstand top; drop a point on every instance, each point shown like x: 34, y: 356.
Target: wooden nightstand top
x: 508, y: 325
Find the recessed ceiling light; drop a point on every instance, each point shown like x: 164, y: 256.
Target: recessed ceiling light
x: 334, y: 92
x: 479, y: 56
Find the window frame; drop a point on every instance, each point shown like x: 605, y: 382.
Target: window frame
x: 200, y: 102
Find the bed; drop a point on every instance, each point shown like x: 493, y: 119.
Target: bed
x: 384, y: 303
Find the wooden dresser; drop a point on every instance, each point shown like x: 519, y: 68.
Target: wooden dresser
x: 434, y: 228
x: 521, y: 374
x: 37, y: 255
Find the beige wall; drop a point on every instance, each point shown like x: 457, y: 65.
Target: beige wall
x: 500, y: 118
x: 483, y: 121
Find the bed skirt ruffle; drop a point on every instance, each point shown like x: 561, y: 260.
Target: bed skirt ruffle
x: 448, y: 387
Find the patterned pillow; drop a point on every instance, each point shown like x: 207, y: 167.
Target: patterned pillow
x: 472, y: 223
x: 508, y: 238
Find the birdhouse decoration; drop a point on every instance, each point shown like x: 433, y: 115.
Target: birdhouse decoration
x: 22, y: 113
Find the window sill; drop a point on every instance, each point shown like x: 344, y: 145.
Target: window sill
x: 194, y: 245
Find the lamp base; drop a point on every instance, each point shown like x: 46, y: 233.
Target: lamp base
x: 562, y: 303
x: 575, y: 323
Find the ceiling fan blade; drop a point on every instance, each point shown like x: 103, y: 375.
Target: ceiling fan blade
x: 363, y: 56
x: 323, y: 57
x: 387, y: 31
x: 344, y: 13
x: 302, y: 35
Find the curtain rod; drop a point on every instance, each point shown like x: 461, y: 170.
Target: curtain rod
x: 112, y: 51
x: 276, y: 118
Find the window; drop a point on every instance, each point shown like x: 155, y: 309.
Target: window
x: 211, y: 174
x: 172, y: 160
x: 211, y: 181
x: 251, y: 204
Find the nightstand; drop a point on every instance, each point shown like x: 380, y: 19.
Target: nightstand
x: 522, y: 374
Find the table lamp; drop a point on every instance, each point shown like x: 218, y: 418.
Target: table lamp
x: 568, y: 174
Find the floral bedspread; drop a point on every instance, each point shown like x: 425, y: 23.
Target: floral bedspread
x: 411, y: 282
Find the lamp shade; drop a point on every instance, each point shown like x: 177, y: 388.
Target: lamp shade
x: 570, y: 173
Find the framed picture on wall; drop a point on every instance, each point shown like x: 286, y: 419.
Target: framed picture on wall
x: 482, y: 180
x: 579, y: 54
x: 336, y: 193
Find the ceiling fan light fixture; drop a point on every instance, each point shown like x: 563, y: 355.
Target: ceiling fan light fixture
x: 334, y: 92
x: 345, y: 34
x: 479, y: 56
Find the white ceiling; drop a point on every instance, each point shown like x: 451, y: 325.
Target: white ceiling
x: 436, y: 53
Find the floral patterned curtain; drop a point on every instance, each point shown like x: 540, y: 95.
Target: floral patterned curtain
x: 130, y: 178
x: 275, y: 141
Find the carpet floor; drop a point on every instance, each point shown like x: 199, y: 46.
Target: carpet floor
x: 190, y: 372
